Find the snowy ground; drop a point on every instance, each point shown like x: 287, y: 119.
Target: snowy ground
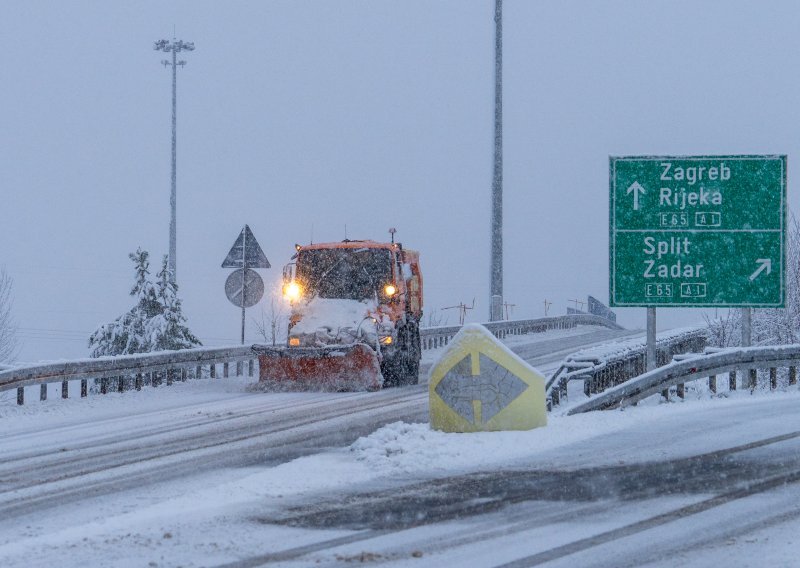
x: 237, y: 515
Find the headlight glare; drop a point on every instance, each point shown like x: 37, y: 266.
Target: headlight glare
x: 292, y: 291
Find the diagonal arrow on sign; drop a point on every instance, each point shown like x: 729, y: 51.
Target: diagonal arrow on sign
x: 494, y: 388
x: 764, y: 264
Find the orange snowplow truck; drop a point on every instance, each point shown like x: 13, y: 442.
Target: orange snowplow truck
x: 356, y: 307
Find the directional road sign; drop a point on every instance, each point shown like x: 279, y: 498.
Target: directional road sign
x: 244, y: 287
x: 479, y: 385
x: 697, y: 231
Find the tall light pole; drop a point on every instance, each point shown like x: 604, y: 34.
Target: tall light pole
x: 496, y: 309
x: 174, y: 46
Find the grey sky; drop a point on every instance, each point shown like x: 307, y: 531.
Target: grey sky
x: 369, y: 115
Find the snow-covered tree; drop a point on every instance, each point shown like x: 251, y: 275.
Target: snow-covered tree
x: 167, y: 330
x: 155, y: 323
x: 8, y: 329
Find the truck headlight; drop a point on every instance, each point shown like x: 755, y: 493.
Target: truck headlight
x: 292, y: 291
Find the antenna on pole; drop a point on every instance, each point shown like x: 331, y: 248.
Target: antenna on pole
x: 462, y: 310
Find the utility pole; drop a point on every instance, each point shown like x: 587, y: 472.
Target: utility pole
x: 175, y: 46
x: 496, y: 309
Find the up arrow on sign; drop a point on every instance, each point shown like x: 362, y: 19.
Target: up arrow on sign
x: 636, y: 188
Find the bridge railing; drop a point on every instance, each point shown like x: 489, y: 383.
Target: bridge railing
x: 434, y: 337
x: 707, y: 366
x: 127, y: 372
x: 601, y: 371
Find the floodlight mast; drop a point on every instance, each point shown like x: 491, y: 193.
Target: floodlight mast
x: 496, y: 300
x: 174, y: 47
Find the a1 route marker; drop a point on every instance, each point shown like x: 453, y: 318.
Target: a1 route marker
x: 697, y: 231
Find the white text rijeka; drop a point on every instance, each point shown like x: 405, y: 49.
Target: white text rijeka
x: 693, y: 174
x: 681, y: 198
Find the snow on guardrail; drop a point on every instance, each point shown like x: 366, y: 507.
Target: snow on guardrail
x: 608, y: 365
x: 434, y: 337
x: 707, y: 365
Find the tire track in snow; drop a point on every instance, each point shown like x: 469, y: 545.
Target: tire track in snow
x: 107, y: 464
x: 288, y: 437
x: 520, y: 521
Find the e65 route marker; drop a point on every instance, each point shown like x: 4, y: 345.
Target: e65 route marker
x: 699, y: 231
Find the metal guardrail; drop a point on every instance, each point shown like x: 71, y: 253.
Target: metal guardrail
x: 599, y: 374
x: 434, y: 337
x: 701, y: 367
x: 128, y: 371
x: 133, y: 371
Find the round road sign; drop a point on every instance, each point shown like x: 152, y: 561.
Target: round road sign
x: 251, y: 292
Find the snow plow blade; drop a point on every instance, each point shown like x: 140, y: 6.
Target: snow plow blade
x: 335, y: 368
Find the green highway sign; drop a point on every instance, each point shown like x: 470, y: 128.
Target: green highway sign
x: 697, y: 231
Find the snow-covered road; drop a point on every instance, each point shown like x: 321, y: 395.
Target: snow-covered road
x: 208, y: 474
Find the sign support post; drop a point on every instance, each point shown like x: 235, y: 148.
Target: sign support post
x: 747, y: 327
x: 651, y: 339
x: 244, y: 271
x: 748, y: 377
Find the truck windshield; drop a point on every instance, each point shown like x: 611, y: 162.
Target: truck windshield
x: 351, y: 274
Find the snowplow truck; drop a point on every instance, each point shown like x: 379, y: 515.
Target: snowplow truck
x: 354, y: 320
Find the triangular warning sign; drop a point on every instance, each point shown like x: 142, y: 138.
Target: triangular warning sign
x: 246, y: 248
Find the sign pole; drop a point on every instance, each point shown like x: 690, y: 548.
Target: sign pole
x: 244, y: 273
x: 747, y: 327
x: 651, y: 339
x: 748, y: 377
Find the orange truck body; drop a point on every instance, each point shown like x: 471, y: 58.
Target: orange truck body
x: 379, y: 287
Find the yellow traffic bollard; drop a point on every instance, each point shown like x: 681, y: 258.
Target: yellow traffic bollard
x: 479, y: 385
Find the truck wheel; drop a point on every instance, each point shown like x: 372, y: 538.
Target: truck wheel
x: 414, y: 354
x: 403, y: 367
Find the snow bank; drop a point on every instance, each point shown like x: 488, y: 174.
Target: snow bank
x: 415, y: 449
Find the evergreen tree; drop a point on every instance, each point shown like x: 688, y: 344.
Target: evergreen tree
x: 155, y: 323
x: 168, y: 331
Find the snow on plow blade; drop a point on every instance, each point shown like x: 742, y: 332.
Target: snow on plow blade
x: 335, y: 368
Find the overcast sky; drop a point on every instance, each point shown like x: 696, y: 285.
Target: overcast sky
x: 302, y: 118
